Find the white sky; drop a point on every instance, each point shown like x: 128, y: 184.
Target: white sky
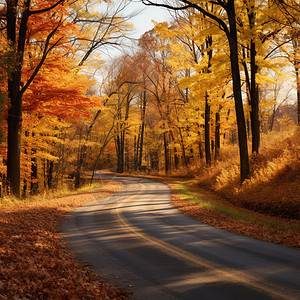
x: 142, y: 22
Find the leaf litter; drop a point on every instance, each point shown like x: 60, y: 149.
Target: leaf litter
x: 34, y: 260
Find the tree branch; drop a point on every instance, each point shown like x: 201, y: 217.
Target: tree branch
x: 45, y: 53
x: 189, y: 4
x: 273, y: 50
x: 34, y: 12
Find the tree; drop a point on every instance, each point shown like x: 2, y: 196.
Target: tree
x: 51, y: 107
x: 17, y: 36
x: 33, y: 30
x: 100, y: 29
x: 230, y: 29
x: 289, y: 16
x: 161, y: 87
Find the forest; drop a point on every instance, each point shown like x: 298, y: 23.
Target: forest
x: 211, y: 94
x: 207, y: 102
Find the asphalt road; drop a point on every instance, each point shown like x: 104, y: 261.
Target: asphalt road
x: 136, y: 239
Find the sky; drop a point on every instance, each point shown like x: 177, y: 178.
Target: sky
x: 143, y: 22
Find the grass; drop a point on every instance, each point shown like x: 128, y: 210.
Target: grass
x: 210, y: 209
x: 62, y: 191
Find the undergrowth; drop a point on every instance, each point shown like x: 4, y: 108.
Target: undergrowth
x: 63, y: 190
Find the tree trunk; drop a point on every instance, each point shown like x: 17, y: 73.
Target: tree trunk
x: 254, y: 97
x: 34, y: 187
x: 176, y: 159
x: 142, y: 132
x: 154, y: 160
x: 2, y: 185
x: 79, y: 162
x: 50, y: 165
x: 167, y: 163
x: 298, y: 90
x: 207, y: 132
x: 136, y: 151
x: 217, y: 136
x: 13, y: 148
x: 14, y: 119
x: 238, y: 100
x: 120, y: 152
x: 82, y: 153
x: 200, y: 147
x: 185, y: 162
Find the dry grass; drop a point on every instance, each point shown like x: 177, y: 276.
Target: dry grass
x: 34, y: 260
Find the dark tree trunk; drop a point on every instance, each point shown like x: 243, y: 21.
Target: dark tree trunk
x: 50, y: 174
x: 252, y: 86
x: 298, y: 89
x: 207, y: 132
x: 24, y: 190
x: 207, y: 120
x: 34, y: 187
x: 126, y: 157
x: 2, y: 185
x: 185, y: 162
x: 254, y: 97
x: 217, y: 136
x: 79, y: 162
x: 167, y: 162
x: 200, y: 147
x: 176, y: 159
x: 154, y: 160
x: 119, y: 140
x: 240, y: 117
x: 82, y: 153
x: 140, y: 156
x: 14, y: 145
x: 25, y: 183
x: 136, y: 151
x: 14, y: 119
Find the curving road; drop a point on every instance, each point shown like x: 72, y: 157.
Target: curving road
x: 135, y: 238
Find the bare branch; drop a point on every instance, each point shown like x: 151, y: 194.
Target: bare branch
x: 189, y: 4
x: 34, y: 12
x: 45, y: 53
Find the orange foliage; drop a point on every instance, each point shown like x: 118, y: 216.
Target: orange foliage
x: 59, y: 90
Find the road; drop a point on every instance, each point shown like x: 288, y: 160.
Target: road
x: 138, y: 240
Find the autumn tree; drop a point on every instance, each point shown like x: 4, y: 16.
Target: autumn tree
x: 33, y: 31
x: 18, y: 16
x: 43, y: 105
x: 230, y: 28
x: 196, y: 52
x: 161, y: 87
x: 121, y: 88
x: 100, y: 28
x: 288, y: 16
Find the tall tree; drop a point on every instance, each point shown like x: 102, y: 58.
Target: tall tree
x: 18, y: 14
x: 230, y: 28
x: 288, y: 15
